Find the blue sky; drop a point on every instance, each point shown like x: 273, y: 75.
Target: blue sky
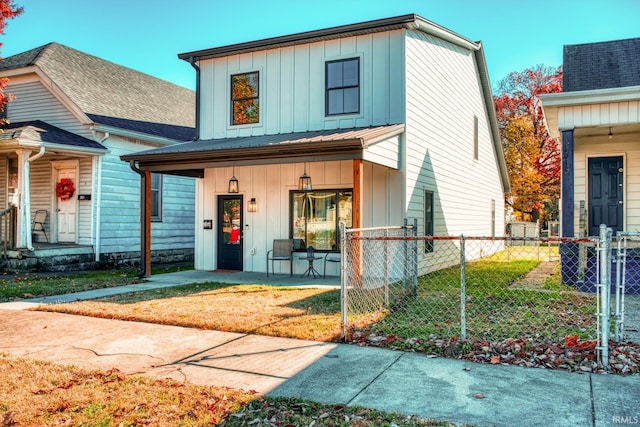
x: 147, y: 35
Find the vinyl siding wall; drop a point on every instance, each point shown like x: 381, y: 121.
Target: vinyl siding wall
x: 443, y: 96
x: 120, y: 206
x: 33, y: 101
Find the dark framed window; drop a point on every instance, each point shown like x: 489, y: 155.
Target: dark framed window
x: 156, y: 197
x: 428, y: 220
x: 245, y: 98
x: 316, y: 217
x: 343, y: 86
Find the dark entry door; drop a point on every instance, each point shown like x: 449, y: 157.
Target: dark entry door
x: 230, y: 233
x: 605, y: 194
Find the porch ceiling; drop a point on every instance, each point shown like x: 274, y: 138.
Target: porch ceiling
x: 191, y: 158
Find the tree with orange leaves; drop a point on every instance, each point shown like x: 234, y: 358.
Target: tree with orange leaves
x: 8, y: 10
x: 535, y: 188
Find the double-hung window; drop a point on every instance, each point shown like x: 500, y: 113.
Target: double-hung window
x: 316, y: 217
x: 156, y: 197
x: 245, y: 98
x: 343, y: 86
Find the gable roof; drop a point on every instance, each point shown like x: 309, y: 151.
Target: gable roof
x: 40, y: 133
x: 601, y: 65
x: 103, y: 89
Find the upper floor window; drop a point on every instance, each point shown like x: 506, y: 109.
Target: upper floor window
x: 343, y: 86
x: 245, y: 103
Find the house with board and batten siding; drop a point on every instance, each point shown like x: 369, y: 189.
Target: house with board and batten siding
x: 365, y: 124
x: 72, y: 116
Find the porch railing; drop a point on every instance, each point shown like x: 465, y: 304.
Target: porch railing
x: 7, y: 230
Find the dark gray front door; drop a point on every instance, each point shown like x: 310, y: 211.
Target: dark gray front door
x: 605, y: 194
x: 230, y: 233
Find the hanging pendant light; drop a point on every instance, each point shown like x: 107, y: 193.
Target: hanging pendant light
x: 304, y: 182
x: 233, y: 182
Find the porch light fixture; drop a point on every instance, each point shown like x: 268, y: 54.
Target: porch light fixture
x: 253, y: 205
x: 610, y: 133
x: 233, y: 183
x: 304, y: 182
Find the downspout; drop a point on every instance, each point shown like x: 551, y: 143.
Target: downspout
x: 144, y: 250
x: 26, y: 212
x: 97, y: 204
x: 192, y: 61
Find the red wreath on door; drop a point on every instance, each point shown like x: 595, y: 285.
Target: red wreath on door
x: 65, y: 189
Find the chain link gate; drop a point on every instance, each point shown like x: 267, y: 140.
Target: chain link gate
x: 627, y: 280
x: 480, y: 288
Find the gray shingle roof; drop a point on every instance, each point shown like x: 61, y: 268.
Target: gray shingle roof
x: 104, y: 89
x: 601, y: 65
x: 39, y: 131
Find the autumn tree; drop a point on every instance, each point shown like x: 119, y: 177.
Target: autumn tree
x: 8, y: 10
x: 535, y: 187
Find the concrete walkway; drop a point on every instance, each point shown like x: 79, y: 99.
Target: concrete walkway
x: 408, y: 383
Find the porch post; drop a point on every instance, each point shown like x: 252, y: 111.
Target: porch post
x: 145, y: 224
x: 21, y: 201
x: 358, y: 183
x: 357, y: 247
x: 567, y: 194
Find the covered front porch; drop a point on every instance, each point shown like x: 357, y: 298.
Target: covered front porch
x: 255, y: 190
x: 47, y: 179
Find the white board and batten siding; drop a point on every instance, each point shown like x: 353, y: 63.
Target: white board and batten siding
x: 271, y: 185
x: 292, y: 86
x: 292, y: 99
x: 444, y: 94
x: 120, y: 206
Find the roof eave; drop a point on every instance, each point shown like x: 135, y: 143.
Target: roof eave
x: 250, y: 153
x: 113, y: 130
x: 492, y: 117
x: 33, y: 144
x: 597, y: 96
x: 410, y: 21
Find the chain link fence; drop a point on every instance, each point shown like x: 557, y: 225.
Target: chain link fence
x: 482, y: 288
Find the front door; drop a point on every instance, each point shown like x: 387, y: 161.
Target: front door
x: 605, y: 194
x: 230, y: 233
x: 67, y: 210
